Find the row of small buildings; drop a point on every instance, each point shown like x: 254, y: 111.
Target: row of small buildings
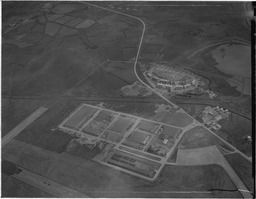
x: 173, y: 86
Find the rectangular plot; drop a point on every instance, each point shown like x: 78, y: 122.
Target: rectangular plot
x: 168, y: 132
x: 64, y: 19
x: 139, y: 153
x: 134, y: 163
x: 154, y: 165
x: 94, y: 128
x: 148, y: 126
x: 52, y: 29
x: 122, y: 124
x: 137, y: 140
x: 52, y: 17
x: 105, y: 116
x: 74, y: 22
x: 112, y: 136
x: 81, y: 116
x: 85, y: 24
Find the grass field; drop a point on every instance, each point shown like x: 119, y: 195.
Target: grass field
x: 40, y: 132
x: 107, y: 80
x: 177, y: 119
x: 235, y: 130
x: 15, y: 111
x: 28, y: 156
x: 101, y: 181
x: 243, y: 168
x: 144, y: 109
x: 14, y: 188
x: 97, y: 180
x: 83, y: 151
x: 199, y: 137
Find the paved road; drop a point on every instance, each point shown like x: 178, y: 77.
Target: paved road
x: 139, y: 48
x: 48, y: 185
x: 14, y: 132
x: 218, y: 43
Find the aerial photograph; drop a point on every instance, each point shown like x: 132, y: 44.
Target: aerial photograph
x: 127, y: 99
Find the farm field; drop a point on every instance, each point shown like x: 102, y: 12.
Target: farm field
x: 43, y: 132
x: 235, y: 130
x: 200, y: 137
x: 79, y: 117
x: 148, y: 126
x: 64, y: 54
x: 137, y: 140
x: 15, y: 188
x: 107, y: 80
x: 15, y: 110
x: 178, y: 119
x: 96, y: 179
x: 243, y: 169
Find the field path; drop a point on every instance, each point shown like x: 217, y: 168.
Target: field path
x: 20, y: 127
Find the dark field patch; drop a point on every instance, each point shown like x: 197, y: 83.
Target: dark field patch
x: 102, y: 84
x: 234, y: 130
x: 53, y: 72
x: 30, y: 157
x: 220, y: 85
x: 15, y: 111
x: 107, y: 80
x: 144, y: 109
x: 41, y: 133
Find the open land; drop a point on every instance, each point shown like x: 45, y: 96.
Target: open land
x: 63, y: 54
x: 101, y: 179
x: 242, y: 168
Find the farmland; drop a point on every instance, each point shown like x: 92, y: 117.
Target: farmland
x: 243, y: 169
x: 106, y: 133
x: 235, y: 130
x: 14, y: 111
x: 191, y: 140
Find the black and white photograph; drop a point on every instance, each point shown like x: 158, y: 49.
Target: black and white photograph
x: 128, y: 99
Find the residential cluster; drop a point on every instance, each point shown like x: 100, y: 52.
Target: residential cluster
x: 211, y: 116
x: 171, y: 79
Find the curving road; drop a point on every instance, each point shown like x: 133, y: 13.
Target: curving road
x: 135, y: 67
